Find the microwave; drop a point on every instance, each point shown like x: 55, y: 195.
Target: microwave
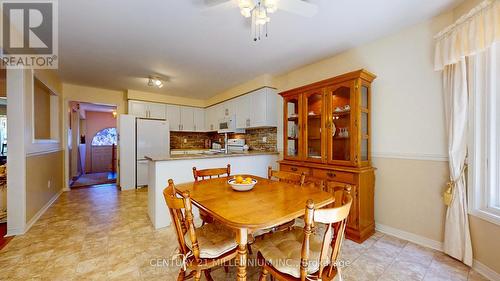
x: 228, y: 125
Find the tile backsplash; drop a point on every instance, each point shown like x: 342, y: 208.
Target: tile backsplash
x: 254, y: 139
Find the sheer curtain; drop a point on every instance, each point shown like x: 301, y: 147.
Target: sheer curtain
x: 468, y: 40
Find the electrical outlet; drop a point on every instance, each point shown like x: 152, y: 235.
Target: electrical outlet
x: 49, y: 184
x: 185, y: 140
x: 264, y: 139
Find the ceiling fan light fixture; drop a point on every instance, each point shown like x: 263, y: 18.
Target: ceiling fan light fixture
x: 155, y: 82
x: 271, y: 6
x: 246, y: 12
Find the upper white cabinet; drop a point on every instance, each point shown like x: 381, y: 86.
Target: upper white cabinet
x: 245, y: 108
x: 199, y: 119
x: 211, y: 120
x: 147, y: 109
x: 174, y: 117
x: 252, y: 110
x: 187, y: 118
x: 257, y: 109
x: 157, y: 110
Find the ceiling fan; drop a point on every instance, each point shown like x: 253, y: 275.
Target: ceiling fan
x: 260, y: 10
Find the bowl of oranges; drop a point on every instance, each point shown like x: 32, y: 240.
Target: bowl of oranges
x: 240, y: 183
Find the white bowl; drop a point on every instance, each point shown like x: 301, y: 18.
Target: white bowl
x: 241, y: 186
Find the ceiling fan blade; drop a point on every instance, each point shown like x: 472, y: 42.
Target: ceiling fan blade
x: 211, y: 3
x: 218, y: 5
x: 298, y: 7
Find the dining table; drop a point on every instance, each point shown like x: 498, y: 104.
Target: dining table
x: 269, y: 204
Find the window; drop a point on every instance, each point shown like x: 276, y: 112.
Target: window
x: 105, y: 137
x: 484, y: 148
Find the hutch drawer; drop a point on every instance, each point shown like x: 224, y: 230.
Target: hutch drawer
x: 334, y: 175
x: 295, y: 169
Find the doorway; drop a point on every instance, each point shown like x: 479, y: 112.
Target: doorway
x: 92, y: 142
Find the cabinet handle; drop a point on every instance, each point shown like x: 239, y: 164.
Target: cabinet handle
x: 330, y: 174
x: 294, y: 169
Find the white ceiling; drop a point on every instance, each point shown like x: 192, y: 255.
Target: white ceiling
x: 204, y: 50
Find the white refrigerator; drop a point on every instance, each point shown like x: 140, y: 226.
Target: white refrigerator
x: 140, y: 137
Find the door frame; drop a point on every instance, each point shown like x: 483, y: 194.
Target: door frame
x: 66, y: 103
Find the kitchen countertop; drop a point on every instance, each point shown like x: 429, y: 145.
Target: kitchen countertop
x: 207, y: 156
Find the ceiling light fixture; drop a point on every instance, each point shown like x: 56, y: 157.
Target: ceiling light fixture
x: 259, y: 10
x: 155, y: 82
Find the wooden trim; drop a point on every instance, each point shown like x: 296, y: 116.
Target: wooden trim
x: 362, y: 73
x: 39, y: 153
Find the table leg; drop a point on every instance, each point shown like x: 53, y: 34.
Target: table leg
x: 241, y: 258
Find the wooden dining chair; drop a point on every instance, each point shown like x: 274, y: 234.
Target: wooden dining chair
x: 311, y: 253
x: 202, y: 248
x: 315, y: 182
x: 283, y: 176
x: 208, y: 174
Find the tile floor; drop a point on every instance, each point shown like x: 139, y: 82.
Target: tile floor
x: 101, y: 233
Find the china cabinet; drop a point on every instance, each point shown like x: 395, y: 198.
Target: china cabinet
x: 327, y: 136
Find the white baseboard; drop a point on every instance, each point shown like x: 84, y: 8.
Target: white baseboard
x: 417, y: 239
x: 35, y: 218
x: 14, y: 231
x: 485, y: 271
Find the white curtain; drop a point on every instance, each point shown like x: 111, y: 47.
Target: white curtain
x: 457, y: 242
x: 467, y: 38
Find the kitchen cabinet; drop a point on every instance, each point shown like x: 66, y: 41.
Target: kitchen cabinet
x: 157, y: 111
x: 211, y: 118
x: 199, y: 119
x: 245, y: 111
x: 187, y: 119
x: 174, y: 117
x: 256, y: 109
x: 147, y: 109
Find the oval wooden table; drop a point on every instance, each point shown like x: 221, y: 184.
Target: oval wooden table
x: 268, y: 204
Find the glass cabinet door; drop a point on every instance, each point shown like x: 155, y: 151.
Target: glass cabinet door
x: 314, y: 125
x: 292, y: 127
x: 341, y: 134
x: 365, y: 123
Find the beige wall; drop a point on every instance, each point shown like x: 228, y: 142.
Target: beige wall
x: 41, y: 110
x: 408, y: 195
x: 95, y: 95
x: 161, y: 98
x: 38, y: 174
x: 38, y: 154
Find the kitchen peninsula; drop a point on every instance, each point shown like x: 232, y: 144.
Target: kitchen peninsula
x: 179, y: 168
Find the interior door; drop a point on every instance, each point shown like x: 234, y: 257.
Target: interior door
x: 101, y: 158
x: 292, y: 127
x: 341, y: 124
x: 314, y: 126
